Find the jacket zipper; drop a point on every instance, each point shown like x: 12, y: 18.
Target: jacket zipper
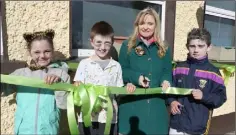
x: 149, y: 56
x: 37, y: 104
x: 150, y: 77
x: 36, y: 115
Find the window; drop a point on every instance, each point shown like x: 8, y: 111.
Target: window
x: 120, y: 14
x: 220, y: 21
x: 222, y: 30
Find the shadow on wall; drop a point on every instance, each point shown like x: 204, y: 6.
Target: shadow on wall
x: 59, y: 56
x: 200, y: 16
x: 4, y: 30
x: 217, y: 126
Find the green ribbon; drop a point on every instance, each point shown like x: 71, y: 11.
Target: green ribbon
x: 227, y: 70
x: 90, y: 98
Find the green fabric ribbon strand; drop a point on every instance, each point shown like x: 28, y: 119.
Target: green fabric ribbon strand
x: 90, y: 98
x: 226, y: 69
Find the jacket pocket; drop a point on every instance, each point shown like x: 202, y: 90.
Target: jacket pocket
x: 18, y: 121
x: 54, y: 119
x: 54, y: 116
x: 200, y: 118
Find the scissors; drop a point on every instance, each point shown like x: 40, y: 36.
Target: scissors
x: 181, y: 107
x: 145, y: 82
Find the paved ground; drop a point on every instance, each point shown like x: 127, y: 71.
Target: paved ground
x: 228, y: 128
x: 230, y: 133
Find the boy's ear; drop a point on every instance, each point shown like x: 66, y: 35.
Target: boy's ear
x: 91, y: 42
x: 209, y: 47
x: 186, y: 46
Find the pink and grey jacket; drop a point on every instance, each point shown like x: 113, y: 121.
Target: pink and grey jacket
x: 196, y: 114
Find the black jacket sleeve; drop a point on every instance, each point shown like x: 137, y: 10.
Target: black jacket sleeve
x: 216, y: 96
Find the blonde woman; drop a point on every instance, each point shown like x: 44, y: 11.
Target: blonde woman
x: 145, y: 62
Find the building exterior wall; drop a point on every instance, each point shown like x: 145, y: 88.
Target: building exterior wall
x: 30, y: 16
x: 188, y: 16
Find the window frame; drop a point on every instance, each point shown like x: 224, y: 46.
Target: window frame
x: 219, y: 12
x: 226, y: 14
x: 88, y: 52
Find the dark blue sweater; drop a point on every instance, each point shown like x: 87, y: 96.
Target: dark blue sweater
x: 195, y: 115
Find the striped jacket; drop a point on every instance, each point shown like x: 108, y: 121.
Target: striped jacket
x: 196, y: 114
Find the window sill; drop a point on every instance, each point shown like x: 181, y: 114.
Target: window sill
x: 120, y: 39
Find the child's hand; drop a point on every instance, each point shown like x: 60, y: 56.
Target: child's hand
x: 197, y: 94
x: 130, y: 87
x: 165, y: 85
x: 175, y: 107
x: 77, y: 83
x: 50, y: 79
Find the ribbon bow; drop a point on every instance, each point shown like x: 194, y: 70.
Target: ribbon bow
x: 90, y: 98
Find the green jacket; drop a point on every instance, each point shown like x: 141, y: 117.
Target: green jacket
x: 144, y: 114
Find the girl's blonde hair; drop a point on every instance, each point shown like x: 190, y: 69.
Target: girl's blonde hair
x: 140, y: 17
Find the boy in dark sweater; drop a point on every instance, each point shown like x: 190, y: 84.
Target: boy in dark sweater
x: 191, y: 114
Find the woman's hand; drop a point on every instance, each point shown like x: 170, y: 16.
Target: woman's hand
x: 143, y: 81
x: 165, y: 85
x: 50, y: 79
x: 130, y: 87
x: 77, y: 83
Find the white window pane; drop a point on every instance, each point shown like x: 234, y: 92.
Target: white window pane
x: 226, y: 4
x: 221, y: 29
x: 120, y: 14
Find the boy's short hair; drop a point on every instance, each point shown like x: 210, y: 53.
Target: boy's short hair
x: 102, y: 28
x: 199, y: 33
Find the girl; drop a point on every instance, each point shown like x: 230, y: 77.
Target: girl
x: 38, y: 109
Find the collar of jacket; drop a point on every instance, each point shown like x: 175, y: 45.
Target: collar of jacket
x: 192, y: 60
x: 56, y: 64
x: 140, y: 42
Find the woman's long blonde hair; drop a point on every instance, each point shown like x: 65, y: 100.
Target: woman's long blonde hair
x: 132, y: 39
